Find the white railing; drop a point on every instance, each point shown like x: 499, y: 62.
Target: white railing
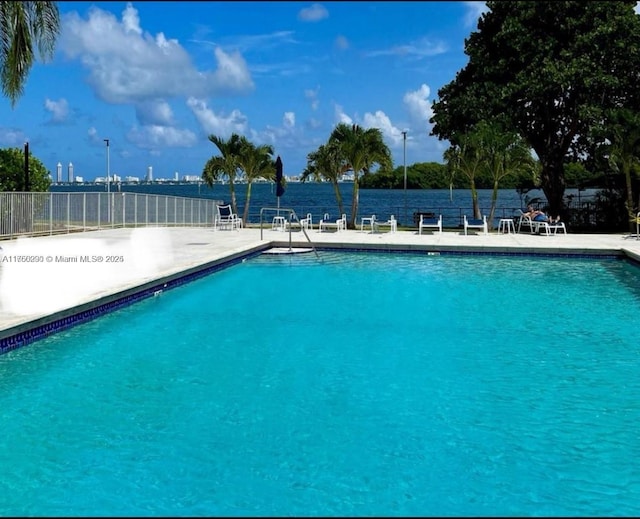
x: 29, y: 214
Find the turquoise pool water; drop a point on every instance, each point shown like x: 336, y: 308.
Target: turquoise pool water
x: 362, y: 384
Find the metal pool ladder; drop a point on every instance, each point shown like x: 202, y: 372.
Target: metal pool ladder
x: 291, y: 217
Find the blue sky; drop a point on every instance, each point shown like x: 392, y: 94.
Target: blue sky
x: 157, y: 78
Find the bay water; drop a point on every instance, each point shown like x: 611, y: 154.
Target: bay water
x: 319, y: 198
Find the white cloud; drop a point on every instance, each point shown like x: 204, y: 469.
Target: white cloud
x: 312, y: 95
x: 278, y: 136
x: 340, y: 116
x: 260, y: 42
x: 12, y: 138
x: 128, y: 65
x: 377, y: 120
x: 157, y: 137
x: 381, y: 120
x: 420, y: 110
x: 313, y: 123
x: 314, y: 13
x: 637, y: 8
x: 418, y: 104
x: 131, y: 20
x: 474, y: 11
x: 284, y: 136
x: 59, y: 109
x: 154, y: 112
x: 213, y: 123
x: 232, y: 75
x: 341, y: 42
x: 391, y: 133
x: 93, y: 136
x: 289, y: 120
x: 419, y: 49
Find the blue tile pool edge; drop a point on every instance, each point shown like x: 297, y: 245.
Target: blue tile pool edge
x: 481, y: 251
x: 553, y: 252
x: 27, y: 333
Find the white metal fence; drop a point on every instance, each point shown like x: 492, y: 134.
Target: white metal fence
x: 27, y: 214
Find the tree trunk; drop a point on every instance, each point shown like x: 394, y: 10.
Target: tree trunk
x: 354, y: 204
x: 336, y: 189
x: 474, y: 199
x: 245, y: 215
x: 494, y: 200
x: 234, y: 205
x: 552, y: 177
x: 629, y: 203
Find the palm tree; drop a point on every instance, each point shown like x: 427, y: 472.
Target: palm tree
x: 326, y: 163
x: 227, y: 164
x: 623, y: 152
x: 23, y: 25
x: 465, y: 158
x: 255, y: 161
x: 503, y: 154
x: 361, y: 149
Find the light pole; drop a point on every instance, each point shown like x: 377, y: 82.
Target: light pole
x: 108, y: 184
x: 27, y: 187
x: 404, y: 159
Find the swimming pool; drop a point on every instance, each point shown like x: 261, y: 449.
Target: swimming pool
x: 361, y: 384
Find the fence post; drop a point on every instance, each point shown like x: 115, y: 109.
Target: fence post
x: 51, y: 200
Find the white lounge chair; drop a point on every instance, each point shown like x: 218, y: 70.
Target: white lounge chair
x: 368, y: 221
x: 476, y: 224
x: 551, y: 228
x: 391, y: 223
x: 226, y: 218
x: 540, y: 226
x: 307, y: 222
x: 430, y: 222
x: 524, y: 220
x: 304, y: 223
x: 339, y: 225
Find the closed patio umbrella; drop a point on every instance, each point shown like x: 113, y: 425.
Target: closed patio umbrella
x: 279, y: 181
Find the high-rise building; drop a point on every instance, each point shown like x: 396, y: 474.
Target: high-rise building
x: 70, y: 172
x: 59, y: 173
x: 149, y: 174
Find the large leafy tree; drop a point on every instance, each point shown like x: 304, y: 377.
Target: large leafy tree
x: 551, y: 69
x: 421, y: 175
x: 624, y: 150
x: 617, y: 144
x: 361, y: 149
x: 24, y: 27
x: 12, y: 173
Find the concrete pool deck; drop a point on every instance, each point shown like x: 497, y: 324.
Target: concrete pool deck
x: 44, y: 279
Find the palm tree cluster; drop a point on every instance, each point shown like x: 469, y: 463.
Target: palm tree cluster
x: 238, y: 158
x: 492, y: 152
x: 349, y: 148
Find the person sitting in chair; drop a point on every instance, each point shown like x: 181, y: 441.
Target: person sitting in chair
x: 540, y: 216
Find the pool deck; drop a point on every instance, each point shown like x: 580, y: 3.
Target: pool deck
x: 80, y: 271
